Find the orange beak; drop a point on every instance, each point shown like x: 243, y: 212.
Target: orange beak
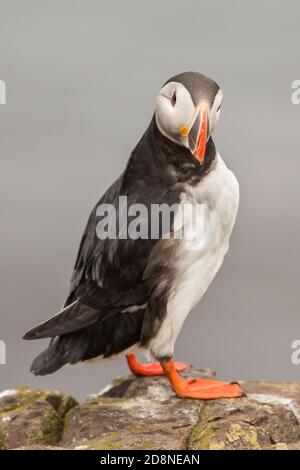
x: 198, y: 134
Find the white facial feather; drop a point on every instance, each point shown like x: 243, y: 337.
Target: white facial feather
x: 215, y: 111
x: 171, y: 118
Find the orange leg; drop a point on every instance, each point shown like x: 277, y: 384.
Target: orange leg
x: 204, y: 389
x: 154, y: 368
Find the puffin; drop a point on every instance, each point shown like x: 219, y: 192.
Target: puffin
x: 132, y: 294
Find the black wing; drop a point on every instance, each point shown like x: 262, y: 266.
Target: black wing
x: 110, y: 273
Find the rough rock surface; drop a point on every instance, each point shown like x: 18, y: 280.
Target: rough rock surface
x: 143, y: 413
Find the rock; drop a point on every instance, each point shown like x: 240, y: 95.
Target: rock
x: 135, y: 413
x: 143, y: 413
x: 32, y: 417
x: 40, y: 447
x: 267, y: 418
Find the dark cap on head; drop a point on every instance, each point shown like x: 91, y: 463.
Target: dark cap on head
x: 198, y: 85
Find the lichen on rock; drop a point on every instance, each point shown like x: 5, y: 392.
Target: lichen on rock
x: 32, y: 417
x: 143, y: 413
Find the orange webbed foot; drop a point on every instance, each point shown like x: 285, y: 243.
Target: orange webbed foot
x: 203, y: 389
x: 151, y: 369
x: 208, y: 389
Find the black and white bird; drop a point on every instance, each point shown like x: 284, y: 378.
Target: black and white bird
x: 131, y: 294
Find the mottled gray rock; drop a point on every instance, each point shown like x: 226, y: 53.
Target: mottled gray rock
x: 32, y: 417
x: 144, y: 413
x: 135, y: 413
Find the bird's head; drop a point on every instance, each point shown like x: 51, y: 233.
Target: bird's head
x: 188, y: 109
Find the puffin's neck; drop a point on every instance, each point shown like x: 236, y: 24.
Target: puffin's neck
x: 180, y: 158
x: 156, y: 155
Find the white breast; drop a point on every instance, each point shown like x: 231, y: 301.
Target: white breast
x: 198, y: 262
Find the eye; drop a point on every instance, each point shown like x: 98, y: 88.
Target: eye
x: 173, y: 99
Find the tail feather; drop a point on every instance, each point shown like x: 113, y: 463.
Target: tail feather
x: 101, y: 339
x: 48, y: 361
x: 66, y: 349
x: 72, y: 318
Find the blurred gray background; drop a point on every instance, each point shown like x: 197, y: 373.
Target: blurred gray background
x: 81, y: 79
